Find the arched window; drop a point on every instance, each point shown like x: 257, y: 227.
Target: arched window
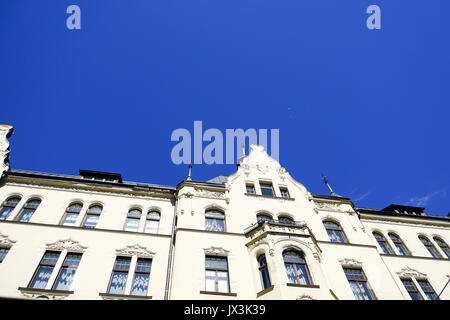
x: 296, y: 268
x: 214, y: 221
x: 152, y: 222
x: 399, y: 244
x: 335, y: 232
x: 384, y: 245
x: 133, y: 218
x: 71, y: 214
x: 430, y: 247
x: 92, y: 216
x: 262, y: 217
x: 443, y: 245
x: 28, y: 209
x: 264, y: 271
x: 8, y: 206
x: 285, y: 220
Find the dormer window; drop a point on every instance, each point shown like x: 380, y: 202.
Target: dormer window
x: 100, y: 176
x: 266, y: 189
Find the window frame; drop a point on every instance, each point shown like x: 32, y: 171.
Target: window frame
x: 398, y: 241
x: 430, y: 247
x: 443, y: 245
x: 334, y: 230
x: 266, y: 185
x: 114, y: 269
x: 136, y: 271
x: 415, y: 287
x: 149, y: 218
x: 216, y: 270
x: 383, y: 240
x: 6, y: 205
x: 28, y: 206
x: 64, y: 265
x: 369, y: 287
x: 131, y: 217
x: 40, y: 264
x: 262, y: 267
x: 305, y: 264
x: 86, y: 216
x: 214, y: 220
x: 429, y: 291
x: 68, y: 211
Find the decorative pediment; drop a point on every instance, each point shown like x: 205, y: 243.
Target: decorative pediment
x: 410, y: 273
x: 69, y: 245
x: 350, y: 263
x: 5, y: 241
x: 217, y: 251
x: 135, y: 250
x: 305, y: 297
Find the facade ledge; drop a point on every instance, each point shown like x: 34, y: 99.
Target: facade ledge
x: 268, y: 197
x: 123, y: 296
x: 44, y: 293
x: 413, y: 257
x: 263, y: 292
x: 316, y: 286
x: 230, y: 294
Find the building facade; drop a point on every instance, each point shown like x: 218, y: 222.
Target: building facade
x: 256, y: 234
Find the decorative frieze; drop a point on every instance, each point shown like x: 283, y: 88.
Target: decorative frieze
x: 410, y: 273
x: 135, y: 250
x: 350, y: 263
x: 217, y: 251
x: 5, y: 242
x: 69, y: 245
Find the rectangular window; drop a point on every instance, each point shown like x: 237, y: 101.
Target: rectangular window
x: 119, y: 275
x: 67, y: 272
x: 266, y: 188
x: 141, y: 277
x: 3, y: 253
x: 428, y: 290
x: 359, y: 284
x: 216, y: 274
x: 44, y: 270
x: 250, y: 188
x: 412, y: 289
x: 284, y: 192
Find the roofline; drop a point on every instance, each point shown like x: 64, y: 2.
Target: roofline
x: 380, y: 212
x: 64, y: 177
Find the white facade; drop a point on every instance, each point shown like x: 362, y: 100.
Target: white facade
x: 181, y: 269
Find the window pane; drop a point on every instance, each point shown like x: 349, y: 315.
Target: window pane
x: 366, y: 291
x: 4, y: 213
x: 401, y: 249
x: 134, y: 213
x: 132, y: 224
x: 122, y: 264
x: 290, y: 273
x: 153, y: 215
x: 50, y: 257
x: 26, y: 215
x: 65, y: 278
x: 151, y: 226
x: 118, y: 282
x: 140, y: 284
x: 95, y: 209
x: 220, y: 225
x: 266, y: 191
x: 216, y: 263
x: 265, y: 278
x: 223, y: 281
x: 210, y: 283
x: 356, y: 291
x: 332, y: 236
x: 3, y: 253
x: 214, y: 214
x: 70, y: 219
x: 301, y: 270
x: 339, y: 236
x: 292, y: 256
x: 144, y: 265
x: 91, y: 221
x: 41, y: 278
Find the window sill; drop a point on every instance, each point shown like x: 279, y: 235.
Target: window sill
x: 303, y: 285
x: 123, y: 296
x: 263, y: 292
x: 45, y: 291
x: 219, y: 293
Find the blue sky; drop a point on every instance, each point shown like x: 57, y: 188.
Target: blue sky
x: 369, y: 108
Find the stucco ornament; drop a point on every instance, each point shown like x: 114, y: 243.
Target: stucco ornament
x: 6, y: 131
x: 410, y: 273
x: 218, y: 251
x: 305, y: 297
x: 136, y: 250
x: 5, y: 241
x: 68, y: 244
x: 350, y: 263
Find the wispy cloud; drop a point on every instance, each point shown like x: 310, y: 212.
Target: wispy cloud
x: 361, y: 197
x: 423, y: 200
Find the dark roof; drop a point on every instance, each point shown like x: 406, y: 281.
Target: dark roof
x: 383, y: 212
x: 107, y: 175
x: 336, y: 197
x: 400, y: 207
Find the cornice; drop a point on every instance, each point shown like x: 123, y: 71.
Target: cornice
x: 404, y: 220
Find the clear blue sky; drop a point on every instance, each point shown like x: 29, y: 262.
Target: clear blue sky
x: 370, y: 109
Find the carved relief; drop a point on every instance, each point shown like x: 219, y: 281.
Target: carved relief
x: 217, y: 251
x: 410, y: 273
x: 5, y: 241
x: 69, y: 245
x: 350, y: 263
x: 305, y: 297
x: 135, y: 250
x: 46, y: 296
